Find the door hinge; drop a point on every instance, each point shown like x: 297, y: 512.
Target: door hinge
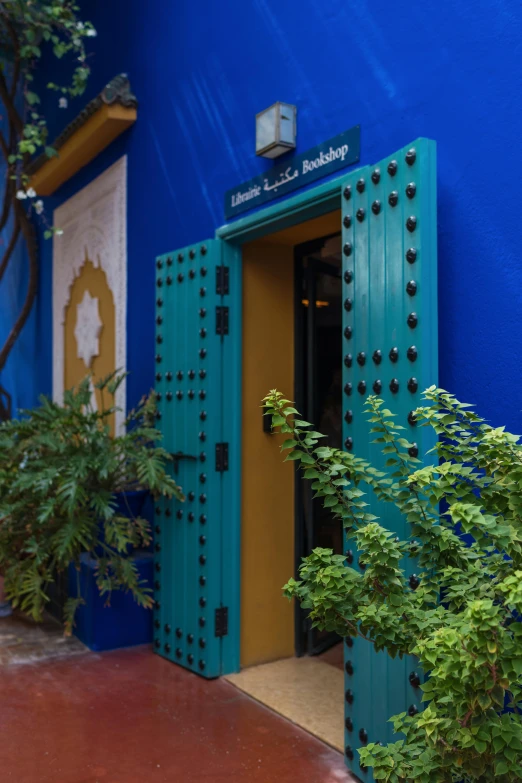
x: 222, y: 280
x: 221, y: 320
x: 221, y: 621
x: 221, y: 457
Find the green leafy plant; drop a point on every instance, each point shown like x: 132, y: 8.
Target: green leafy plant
x: 31, y: 31
x: 61, y: 474
x: 465, y: 518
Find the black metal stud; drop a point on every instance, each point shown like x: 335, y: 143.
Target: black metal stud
x: 360, y: 185
x: 376, y: 176
x: 348, y: 668
x: 411, y: 189
x: 411, y: 156
x: 349, y: 696
x: 411, y: 418
x: 361, y: 358
x: 348, y: 360
x: 360, y: 215
x: 361, y: 387
x: 394, y: 385
x: 348, y: 331
x: 348, y: 444
x: 413, y: 384
x: 348, y: 276
x: 393, y: 198
x: 377, y: 356
x: 412, y: 353
x: 349, y: 559
x: 348, y: 724
x: 411, y: 223
x: 376, y: 207
x: 411, y: 255
x: 394, y: 354
x: 414, y: 679
x: 348, y: 304
x: 377, y: 387
x: 412, y: 710
x: 348, y: 752
x: 413, y: 320
x: 347, y: 221
x: 392, y: 168
x: 363, y: 736
x: 347, y: 192
x: 411, y: 287
x: 348, y: 417
x: 413, y: 451
x: 414, y: 581
x: 348, y: 389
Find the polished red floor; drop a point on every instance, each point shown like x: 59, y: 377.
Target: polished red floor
x: 132, y: 717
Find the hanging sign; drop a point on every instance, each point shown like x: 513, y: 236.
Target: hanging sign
x: 320, y: 161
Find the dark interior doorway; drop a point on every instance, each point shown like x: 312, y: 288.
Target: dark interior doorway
x: 318, y: 384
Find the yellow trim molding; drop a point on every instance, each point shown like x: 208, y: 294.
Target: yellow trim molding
x: 105, y: 125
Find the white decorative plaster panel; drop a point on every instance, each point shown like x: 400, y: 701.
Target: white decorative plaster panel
x: 88, y: 328
x: 94, y: 224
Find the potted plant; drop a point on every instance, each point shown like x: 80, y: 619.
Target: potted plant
x: 461, y: 615
x: 70, y: 497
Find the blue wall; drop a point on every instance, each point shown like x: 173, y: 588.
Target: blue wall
x: 446, y: 69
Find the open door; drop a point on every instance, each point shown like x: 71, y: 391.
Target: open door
x: 194, y: 625
x: 390, y: 349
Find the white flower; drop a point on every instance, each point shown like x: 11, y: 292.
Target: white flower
x: 59, y: 232
x: 21, y: 194
x: 31, y: 192
x: 91, y: 32
x: 80, y: 26
x: 62, y: 103
x: 38, y: 206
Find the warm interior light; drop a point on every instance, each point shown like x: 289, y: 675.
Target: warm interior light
x: 318, y: 303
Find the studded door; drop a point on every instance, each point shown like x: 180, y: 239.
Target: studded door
x: 190, y: 621
x: 390, y: 349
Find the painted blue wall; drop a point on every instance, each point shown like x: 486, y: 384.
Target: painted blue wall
x: 446, y: 69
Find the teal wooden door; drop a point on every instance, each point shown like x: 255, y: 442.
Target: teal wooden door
x: 195, y: 617
x: 390, y: 349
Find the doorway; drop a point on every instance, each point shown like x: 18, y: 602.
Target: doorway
x: 318, y: 385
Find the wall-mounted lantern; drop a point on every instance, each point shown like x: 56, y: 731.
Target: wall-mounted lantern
x: 275, y: 130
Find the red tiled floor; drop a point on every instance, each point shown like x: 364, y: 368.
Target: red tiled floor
x: 132, y: 717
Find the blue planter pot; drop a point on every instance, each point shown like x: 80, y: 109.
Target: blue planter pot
x: 123, y: 623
